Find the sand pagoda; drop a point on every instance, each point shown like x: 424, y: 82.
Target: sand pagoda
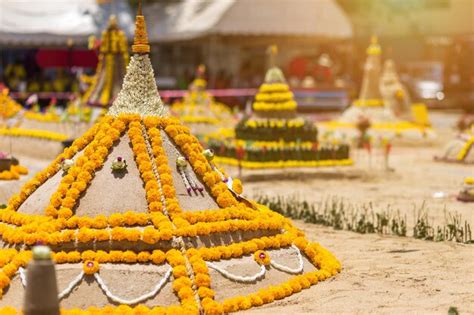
x: 137, y: 215
x: 383, y: 101
x: 199, y: 111
x: 113, y: 60
x: 459, y: 150
x: 274, y: 135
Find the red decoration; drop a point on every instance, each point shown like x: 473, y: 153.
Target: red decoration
x: 64, y: 58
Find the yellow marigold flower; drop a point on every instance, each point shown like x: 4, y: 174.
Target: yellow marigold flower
x: 143, y: 257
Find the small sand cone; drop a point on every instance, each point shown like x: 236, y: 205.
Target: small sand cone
x: 41, y: 296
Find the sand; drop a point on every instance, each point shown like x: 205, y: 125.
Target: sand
x: 385, y: 275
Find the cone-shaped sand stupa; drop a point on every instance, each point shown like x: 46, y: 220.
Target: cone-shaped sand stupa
x: 137, y: 215
x: 113, y: 60
x: 274, y: 136
x: 199, y: 111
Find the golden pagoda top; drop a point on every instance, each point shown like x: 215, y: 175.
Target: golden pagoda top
x: 139, y: 93
x: 140, y: 41
x: 374, y: 48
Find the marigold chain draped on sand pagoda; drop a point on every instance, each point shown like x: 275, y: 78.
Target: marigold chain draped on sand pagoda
x: 131, y: 239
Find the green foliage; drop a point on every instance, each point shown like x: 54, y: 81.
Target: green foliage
x: 341, y: 215
x: 453, y: 311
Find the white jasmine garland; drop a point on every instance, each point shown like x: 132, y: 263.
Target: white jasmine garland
x: 139, y: 94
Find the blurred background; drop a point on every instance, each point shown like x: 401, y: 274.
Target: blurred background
x: 45, y: 45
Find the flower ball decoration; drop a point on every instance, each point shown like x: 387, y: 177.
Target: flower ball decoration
x: 119, y: 164
x: 171, y: 237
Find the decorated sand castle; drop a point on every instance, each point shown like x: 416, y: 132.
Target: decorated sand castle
x: 138, y: 216
x: 384, y: 103
x: 199, y: 111
x: 274, y: 136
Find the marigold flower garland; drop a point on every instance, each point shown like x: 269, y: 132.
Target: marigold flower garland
x: 469, y: 145
x: 32, y: 133
x: 14, y: 172
x: 234, y: 216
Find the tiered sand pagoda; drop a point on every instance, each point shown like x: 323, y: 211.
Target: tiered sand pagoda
x: 113, y: 60
x: 137, y: 215
x: 199, y: 111
x: 274, y: 136
x: 383, y: 102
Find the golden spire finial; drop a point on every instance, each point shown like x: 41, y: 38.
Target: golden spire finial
x: 113, y: 23
x: 374, y: 48
x: 140, y: 41
x: 272, y: 51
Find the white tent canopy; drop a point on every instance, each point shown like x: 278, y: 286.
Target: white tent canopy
x: 30, y: 22
x: 196, y: 18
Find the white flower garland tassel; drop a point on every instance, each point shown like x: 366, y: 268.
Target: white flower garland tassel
x: 283, y: 268
x: 237, y: 278
x: 137, y: 300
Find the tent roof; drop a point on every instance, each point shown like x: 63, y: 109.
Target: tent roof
x: 191, y: 19
x: 52, y: 22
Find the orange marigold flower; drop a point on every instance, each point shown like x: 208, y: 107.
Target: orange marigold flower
x: 90, y: 267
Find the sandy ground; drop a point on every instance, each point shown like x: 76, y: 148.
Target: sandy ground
x: 385, y: 275
x: 382, y: 274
